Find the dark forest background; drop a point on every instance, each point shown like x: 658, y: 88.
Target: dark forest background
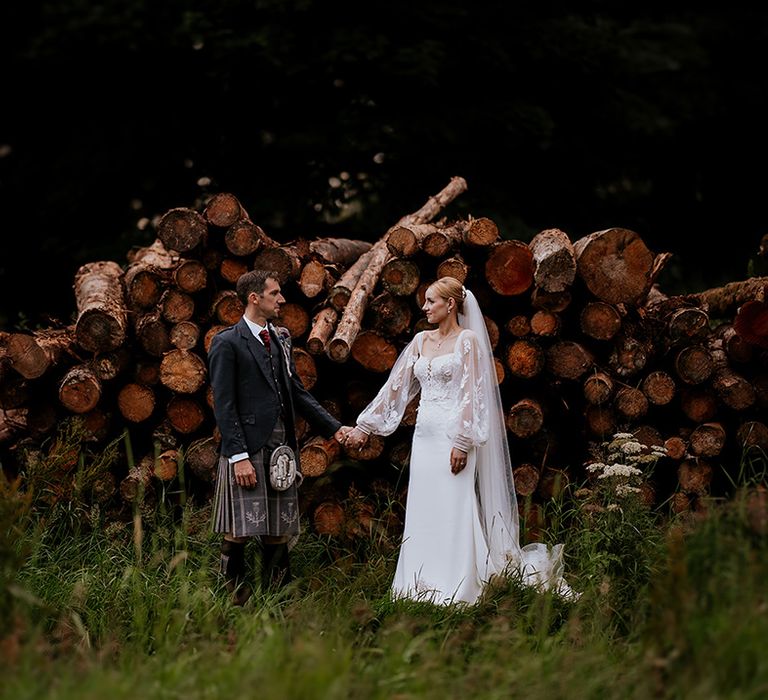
x: 336, y: 118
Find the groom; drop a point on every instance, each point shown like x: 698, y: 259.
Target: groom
x: 256, y: 393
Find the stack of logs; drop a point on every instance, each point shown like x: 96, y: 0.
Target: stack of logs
x: 585, y: 342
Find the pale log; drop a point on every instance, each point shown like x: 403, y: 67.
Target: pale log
x: 80, y: 389
x: 136, y: 402
x: 615, y: 265
x: 184, y: 335
x: 400, y: 277
x: 185, y: 414
x: 554, y: 261
x: 181, y: 229
x: 509, y: 268
x: 600, y: 320
x: 525, y: 358
x: 102, y: 316
x: 707, y: 440
x: 182, y: 371
x: 598, y: 388
x: 322, y: 328
x: 156, y: 256
x: 374, y: 352
x: 243, y: 238
x: 318, y: 454
x: 568, y: 359
x: 526, y: 478
x: 525, y: 418
x: 659, y: 387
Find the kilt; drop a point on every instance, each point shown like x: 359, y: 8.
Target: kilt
x: 261, y: 510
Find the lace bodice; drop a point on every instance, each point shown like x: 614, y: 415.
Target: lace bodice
x: 435, y: 375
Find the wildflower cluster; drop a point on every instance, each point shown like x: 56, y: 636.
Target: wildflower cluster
x: 627, y: 466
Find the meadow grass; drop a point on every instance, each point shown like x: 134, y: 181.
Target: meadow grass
x: 669, y: 609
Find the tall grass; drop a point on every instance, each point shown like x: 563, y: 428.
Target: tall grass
x: 675, y: 610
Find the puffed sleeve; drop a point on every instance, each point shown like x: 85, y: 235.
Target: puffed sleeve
x: 384, y: 413
x: 468, y: 424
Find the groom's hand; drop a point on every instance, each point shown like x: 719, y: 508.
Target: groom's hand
x: 245, y: 474
x: 355, y: 439
x: 341, y: 433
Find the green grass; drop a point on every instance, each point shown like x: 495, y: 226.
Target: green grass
x: 668, y: 610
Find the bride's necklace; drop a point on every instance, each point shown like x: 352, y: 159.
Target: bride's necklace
x: 439, y: 343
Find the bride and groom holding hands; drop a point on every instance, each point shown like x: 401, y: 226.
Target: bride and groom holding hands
x: 461, y: 520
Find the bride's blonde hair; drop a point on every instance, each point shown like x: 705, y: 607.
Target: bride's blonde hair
x: 450, y: 288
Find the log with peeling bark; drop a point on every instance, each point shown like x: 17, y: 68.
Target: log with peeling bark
x: 322, y: 329
x: 138, y: 482
x: 80, y: 389
x: 349, y: 326
x: 554, y: 260
x: 339, y: 251
x: 224, y: 210
x: 102, y: 316
x: 314, y: 279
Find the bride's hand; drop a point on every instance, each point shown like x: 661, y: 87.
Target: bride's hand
x: 458, y: 460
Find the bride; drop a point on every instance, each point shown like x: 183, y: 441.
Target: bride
x: 461, y: 520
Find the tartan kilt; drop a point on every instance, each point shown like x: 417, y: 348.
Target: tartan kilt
x: 262, y: 510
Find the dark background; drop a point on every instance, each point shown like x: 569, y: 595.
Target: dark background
x: 337, y: 118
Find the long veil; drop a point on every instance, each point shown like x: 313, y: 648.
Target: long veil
x: 536, y: 563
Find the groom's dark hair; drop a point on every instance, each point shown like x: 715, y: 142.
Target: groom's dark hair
x: 253, y: 281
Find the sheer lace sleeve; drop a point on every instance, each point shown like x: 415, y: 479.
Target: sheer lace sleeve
x: 384, y: 413
x: 468, y: 425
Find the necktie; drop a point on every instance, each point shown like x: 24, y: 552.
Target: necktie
x: 264, y: 335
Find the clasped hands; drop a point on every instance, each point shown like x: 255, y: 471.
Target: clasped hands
x: 353, y: 438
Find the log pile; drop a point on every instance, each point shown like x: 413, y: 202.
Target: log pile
x: 586, y: 344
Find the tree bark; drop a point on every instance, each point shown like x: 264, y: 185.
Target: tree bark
x: 554, y: 261
x: 31, y: 355
x: 339, y: 251
x: 322, y: 328
x: 102, y: 317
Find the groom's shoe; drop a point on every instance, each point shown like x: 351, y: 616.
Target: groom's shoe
x: 233, y: 570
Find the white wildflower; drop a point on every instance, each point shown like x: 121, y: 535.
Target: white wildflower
x: 613, y: 506
x: 631, y: 448
x: 624, y: 490
x: 596, y: 466
x: 619, y: 470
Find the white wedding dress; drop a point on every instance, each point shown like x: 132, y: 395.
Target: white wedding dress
x: 460, y: 529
